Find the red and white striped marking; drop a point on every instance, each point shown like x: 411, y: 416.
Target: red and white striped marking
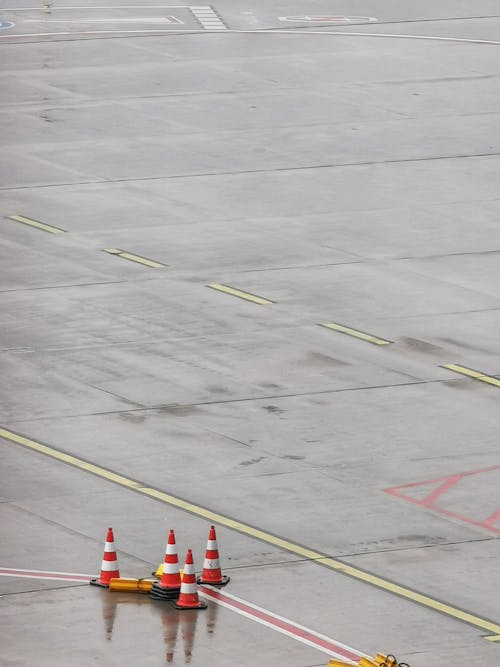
x: 285, y: 626
x: 302, y: 634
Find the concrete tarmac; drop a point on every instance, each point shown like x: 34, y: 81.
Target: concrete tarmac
x: 249, y: 278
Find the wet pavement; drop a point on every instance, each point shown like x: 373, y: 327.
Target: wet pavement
x: 249, y: 278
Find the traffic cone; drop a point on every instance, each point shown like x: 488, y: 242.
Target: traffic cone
x: 169, y: 585
x: 188, y: 597
x: 109, y: 567
x: 212, y: 573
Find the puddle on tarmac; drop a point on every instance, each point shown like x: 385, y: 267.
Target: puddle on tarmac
x: 177, y: 628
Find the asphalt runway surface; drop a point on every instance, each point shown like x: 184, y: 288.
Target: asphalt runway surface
x: 250, y: 279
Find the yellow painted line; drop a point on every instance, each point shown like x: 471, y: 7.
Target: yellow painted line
x: 36, y: 223
x: 134, y: 258
x: 357, y: 334
x: 251, y: 531
x: 493, y: 638
x: 67, y: 458
x: 241, y: 295
x: 473, y: 374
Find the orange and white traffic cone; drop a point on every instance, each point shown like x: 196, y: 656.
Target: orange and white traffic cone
x: 169, y: 585
x: 212, y: 574
x: 188, y: 597
x: 109, y: 567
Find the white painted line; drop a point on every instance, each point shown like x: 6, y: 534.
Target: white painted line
x: 40, y: 8
x: 252, y: 611
x: 104, y: 32
x: 369, y: 34
x: 140, y: 19
x: 341, y: 20
x: 45, y: 574
x: 207, y: 18
x: 254, y: 32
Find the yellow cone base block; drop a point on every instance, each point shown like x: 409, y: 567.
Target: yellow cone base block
x: 159, y: 571
x: 131, y: 585
x: 380, y: 660
x: 385, y: 660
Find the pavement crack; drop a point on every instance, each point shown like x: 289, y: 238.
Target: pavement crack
x: 246, y: 172
x: 72, y: 531
x: 43, y: 590
x: 231, y: 400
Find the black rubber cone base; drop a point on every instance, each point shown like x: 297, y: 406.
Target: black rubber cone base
x: 96, y: 582
x: 225, y: 580
x: 200, y: 605
x: 159, y: 593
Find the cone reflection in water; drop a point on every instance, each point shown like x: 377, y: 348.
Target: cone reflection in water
x: 188, y: 622
x: 109, y: 565
x: 212, y: 611
x: 170, y: 622
x: 108, y: 606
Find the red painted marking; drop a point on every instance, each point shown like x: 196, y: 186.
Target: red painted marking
x: 491, y: 520
x: 434, y: 495
x: 282, y: 624
x: 446, y: 484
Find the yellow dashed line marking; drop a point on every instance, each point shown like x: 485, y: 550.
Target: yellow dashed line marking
x: 472, y: 374
x: 250, y: 531
x: 241, y: 295
x: 355, y: 333
x: 36, y: 223
x: 134, y: 258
